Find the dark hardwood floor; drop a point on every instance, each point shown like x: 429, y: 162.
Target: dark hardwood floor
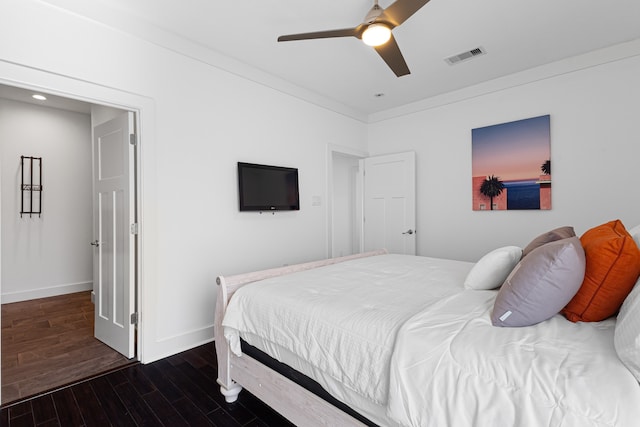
x: 48, y: 343
x: 180, y: 390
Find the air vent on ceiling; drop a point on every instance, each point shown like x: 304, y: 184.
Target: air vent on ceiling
x: 464, y: 56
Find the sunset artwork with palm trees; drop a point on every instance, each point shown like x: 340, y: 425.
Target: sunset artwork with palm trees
x: 491, y: 187
x: 511, y: 165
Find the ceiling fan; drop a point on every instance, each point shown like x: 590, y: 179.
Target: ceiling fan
x: 375, y: 31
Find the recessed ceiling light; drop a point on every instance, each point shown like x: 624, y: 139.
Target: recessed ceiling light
x: 39, y: 97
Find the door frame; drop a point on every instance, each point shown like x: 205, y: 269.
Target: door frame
x: 69, y: 87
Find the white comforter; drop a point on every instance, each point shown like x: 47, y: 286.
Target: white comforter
x: 403, y: 333
x: 451, y: 367
x: 343, y: 318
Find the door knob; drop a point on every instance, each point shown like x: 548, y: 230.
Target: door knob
x: 409, y: 232
x: 95, y: 243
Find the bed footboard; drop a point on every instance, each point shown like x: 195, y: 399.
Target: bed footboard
x: 237, y: 372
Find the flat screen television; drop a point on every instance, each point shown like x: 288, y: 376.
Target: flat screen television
x: 267, y: 188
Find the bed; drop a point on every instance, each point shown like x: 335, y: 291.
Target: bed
x: 403, y: 341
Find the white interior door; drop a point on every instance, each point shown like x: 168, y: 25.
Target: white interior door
x: 114, y: 238
x: 390, y: 203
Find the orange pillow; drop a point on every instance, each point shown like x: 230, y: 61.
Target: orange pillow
x: 612, y: 268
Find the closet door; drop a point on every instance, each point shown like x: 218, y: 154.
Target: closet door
x: 390, y: 203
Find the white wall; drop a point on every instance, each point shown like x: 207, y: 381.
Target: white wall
x: 197, y: 122
x: 50, y: 254
x: 101, y: 114
x: 595, y: 148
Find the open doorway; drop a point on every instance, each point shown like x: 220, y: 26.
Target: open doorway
x: 345, y: 201
x: 50, y: 263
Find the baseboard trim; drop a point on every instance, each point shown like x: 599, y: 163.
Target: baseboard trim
x: 168, y: 346
x: 51, y: 291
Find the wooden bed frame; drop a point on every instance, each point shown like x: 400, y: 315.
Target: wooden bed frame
x: 294, y: 402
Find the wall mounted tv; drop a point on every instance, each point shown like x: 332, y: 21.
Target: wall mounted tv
x: 267, y: 188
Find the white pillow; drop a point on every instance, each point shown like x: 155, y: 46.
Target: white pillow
x: 493, y: 268
x: 627, y: 334
x: 635, y: 233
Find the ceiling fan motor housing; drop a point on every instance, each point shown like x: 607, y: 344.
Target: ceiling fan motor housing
x: 373, y: 14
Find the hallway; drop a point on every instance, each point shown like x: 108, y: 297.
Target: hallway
x: 48, y: 343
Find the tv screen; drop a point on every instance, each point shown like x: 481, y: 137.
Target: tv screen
x: 267, y: 188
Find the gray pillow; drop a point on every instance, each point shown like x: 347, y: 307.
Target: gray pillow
x: 541, y: 284
x: 548, y: 237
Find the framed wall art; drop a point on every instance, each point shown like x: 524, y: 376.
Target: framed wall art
x: 511, y: 165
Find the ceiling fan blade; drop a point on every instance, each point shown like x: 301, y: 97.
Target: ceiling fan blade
x: 401, y: 10
x: 390, y: 52
x: 346, y: 32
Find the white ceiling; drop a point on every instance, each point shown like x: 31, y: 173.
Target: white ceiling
x: 516, y: 35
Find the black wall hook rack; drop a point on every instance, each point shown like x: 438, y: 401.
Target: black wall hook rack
x: 31, y: 185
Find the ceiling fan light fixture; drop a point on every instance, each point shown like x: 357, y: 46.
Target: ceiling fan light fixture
x: 376, y: 35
